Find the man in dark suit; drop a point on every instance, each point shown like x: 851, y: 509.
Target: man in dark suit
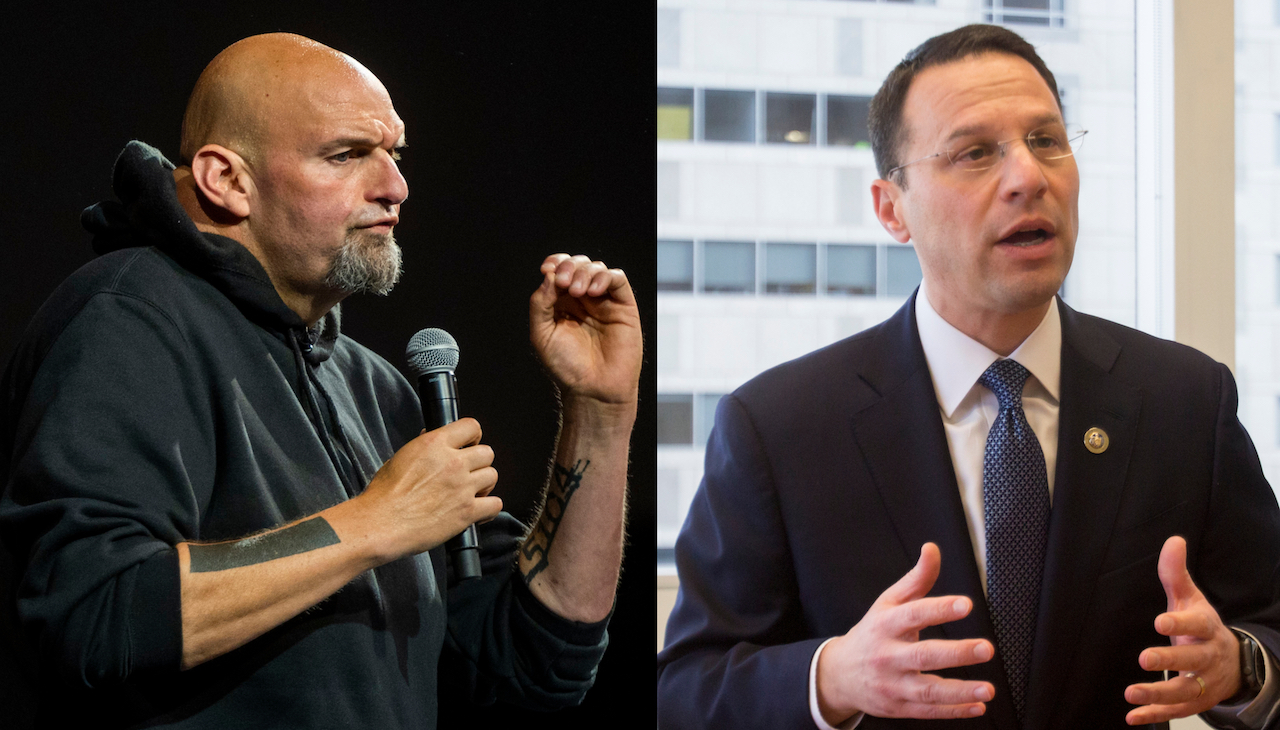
x: 1082, y: 507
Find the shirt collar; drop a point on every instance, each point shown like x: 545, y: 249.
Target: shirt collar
x: 956, y: 361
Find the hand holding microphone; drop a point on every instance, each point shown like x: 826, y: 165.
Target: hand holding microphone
x: 433, y: 356
x: 437, y: 484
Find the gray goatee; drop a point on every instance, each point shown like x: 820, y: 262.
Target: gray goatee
x: 368, y: 262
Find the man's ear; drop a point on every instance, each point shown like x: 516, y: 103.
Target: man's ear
x: 222, y: 177
x: 887, y: 199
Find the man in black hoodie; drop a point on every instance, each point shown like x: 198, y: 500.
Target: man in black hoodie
x: 219, y: 512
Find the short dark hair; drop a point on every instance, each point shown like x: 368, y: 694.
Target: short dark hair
x: 888, y: 132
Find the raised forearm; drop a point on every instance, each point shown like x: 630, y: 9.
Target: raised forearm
x: 572, y: 556
x: 233, y: 592
x: 428, y: 491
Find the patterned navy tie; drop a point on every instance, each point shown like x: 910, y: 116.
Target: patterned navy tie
x: 1015, y: 497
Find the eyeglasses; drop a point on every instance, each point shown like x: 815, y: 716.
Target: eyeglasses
x: 1053, y: 142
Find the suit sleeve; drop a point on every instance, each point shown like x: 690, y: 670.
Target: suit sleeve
x: 105, y: 439
x: 736, y: 650
x: 1237, y: 565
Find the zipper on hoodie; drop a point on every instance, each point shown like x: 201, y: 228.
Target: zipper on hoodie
x: 325, y: 423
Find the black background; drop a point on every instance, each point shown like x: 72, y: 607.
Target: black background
x: 530, y: 130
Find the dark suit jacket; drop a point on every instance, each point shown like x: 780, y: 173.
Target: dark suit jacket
x: 825, y: 475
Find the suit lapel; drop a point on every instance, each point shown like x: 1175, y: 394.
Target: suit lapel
x: 899, y: 432
x: 1086, y: 500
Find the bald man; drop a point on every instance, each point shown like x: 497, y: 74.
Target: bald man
x: 220, y: 512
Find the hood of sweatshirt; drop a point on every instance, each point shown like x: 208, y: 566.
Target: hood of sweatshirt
x: 147, y: 213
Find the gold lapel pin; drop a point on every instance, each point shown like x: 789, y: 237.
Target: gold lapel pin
x: 1096, y: 440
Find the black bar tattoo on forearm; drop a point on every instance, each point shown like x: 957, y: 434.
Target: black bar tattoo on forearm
x: 564, y: 482
x: 303, y: 537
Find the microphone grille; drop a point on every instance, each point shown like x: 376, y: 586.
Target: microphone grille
x: 431, y: 351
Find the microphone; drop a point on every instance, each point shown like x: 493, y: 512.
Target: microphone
x: 433, y: 355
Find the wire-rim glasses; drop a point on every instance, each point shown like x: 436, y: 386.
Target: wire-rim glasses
x: 1051, y: 142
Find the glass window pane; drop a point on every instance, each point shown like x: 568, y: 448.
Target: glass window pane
x: 675, y: 418
x: 1025, y: 12
x: 706, y: 416
x: 675, y: 113
x: 791, y: 268
x: 730, y: 116
x: 789, y: 118
x: 902, y: 269
x: 847, y: 121
x: 675, y: 265
x: 851, y: 270
x: 1024, y: 18
x: 729, y: 266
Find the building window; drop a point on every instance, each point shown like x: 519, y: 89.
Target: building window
x: 705, y: 415
x: 675, y: 265
x: 790, y: 118
x: 833, y: 269
x: 675, y: 113
x: 729, y: 116
x: 790, y: 268
x: 1024, y: 12
x: 686, y: 419
x: 851, y: 270
x: 847, y: 121
x: 675, y: 418
x: 729, y: 266
x: 902, y: 270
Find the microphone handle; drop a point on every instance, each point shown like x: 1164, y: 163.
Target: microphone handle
x: 439, y: 395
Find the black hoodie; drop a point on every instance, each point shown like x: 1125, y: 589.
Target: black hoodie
x: 165, y: 393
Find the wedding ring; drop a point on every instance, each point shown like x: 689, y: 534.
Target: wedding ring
x: 1199, y: 679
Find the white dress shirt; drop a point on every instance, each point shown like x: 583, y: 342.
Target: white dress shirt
x: 968, y: 409
x: 956, y: 361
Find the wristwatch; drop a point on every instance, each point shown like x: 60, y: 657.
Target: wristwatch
x: 1253, y: 669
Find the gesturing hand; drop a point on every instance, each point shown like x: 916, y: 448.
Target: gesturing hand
x: 878, y: 667
x: 1202, y: 646
x: 585, y: 325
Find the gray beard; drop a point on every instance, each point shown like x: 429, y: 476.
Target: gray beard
x: 367, y: 263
